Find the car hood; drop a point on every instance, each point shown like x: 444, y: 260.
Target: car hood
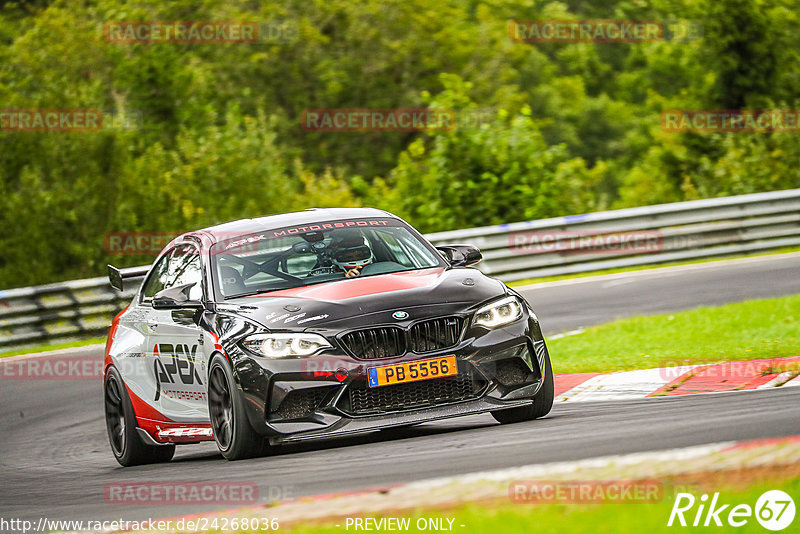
x: 369, y: 300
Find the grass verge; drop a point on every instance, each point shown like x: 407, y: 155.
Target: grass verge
x: 54, y: 346
x: 609, y: 518
x: 748, y: 330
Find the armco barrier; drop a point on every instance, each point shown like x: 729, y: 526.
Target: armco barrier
x: 516, y: 251
x: 60, y: 312
x: 686, y: 230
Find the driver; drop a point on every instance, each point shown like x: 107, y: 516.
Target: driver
x: 351, y: 253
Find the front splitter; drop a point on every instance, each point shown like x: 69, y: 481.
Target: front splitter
x: 358, y: 425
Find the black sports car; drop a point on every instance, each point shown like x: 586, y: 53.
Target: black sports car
x: 313, y: 324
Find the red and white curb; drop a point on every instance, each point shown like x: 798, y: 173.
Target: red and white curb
x: 622, y: 385
x: 680, y: 380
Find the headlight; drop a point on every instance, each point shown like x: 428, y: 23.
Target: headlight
x: 498, y: 313
x: 285, y: 345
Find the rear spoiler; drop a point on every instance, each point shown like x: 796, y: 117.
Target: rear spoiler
x: 116, y: 276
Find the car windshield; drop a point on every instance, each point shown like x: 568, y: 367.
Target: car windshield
x: 320, y: 252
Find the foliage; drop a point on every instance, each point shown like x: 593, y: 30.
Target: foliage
x: 214, y: 131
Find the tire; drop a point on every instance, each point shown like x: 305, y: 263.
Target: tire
x: 542, y: 402
x: 127, y: 446
x: 235, y: 437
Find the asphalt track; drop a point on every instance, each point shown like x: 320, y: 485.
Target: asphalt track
x: 55, y: 460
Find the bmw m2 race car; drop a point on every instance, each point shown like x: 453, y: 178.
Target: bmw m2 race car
x: 309, y: 325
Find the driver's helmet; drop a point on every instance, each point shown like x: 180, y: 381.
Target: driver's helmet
x: 351, y: 251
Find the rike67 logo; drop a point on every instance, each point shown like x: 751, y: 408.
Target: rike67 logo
x: 774, y: 510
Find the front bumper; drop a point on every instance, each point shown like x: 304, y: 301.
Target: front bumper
x: 347, y: 426
x: 327, y: 395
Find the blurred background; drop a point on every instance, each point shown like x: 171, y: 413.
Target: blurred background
x: 213, y: 130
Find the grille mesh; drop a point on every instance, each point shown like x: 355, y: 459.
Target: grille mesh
x: 365, y: 400
x: 299, y: 403
x: 512, y: 372
x: 435, y: 334
x: 375, y: 343
x: 392, y: 341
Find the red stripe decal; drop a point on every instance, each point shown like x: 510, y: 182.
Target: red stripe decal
x: 142, y: 409
x: 359, y: 287
x: 112, y: 331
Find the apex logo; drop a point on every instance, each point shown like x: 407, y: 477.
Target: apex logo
x: 180, y: 365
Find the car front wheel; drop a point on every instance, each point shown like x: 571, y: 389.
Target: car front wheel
x: 235, y: 437
x: 542, y: 402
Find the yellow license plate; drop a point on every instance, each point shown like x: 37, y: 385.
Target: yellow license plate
x: 412, y: 371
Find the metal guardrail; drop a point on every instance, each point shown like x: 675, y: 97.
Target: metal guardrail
x: 56, y: 313
x: 517, y: 251
x: 684, y: 230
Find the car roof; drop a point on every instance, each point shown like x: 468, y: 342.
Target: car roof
x: 270, y: 222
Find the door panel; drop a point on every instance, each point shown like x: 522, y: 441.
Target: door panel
x: 180, y: 352
x: 180, y: 366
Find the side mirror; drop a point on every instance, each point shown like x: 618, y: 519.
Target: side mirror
x: 461, y: 255
x: 176, y: 298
